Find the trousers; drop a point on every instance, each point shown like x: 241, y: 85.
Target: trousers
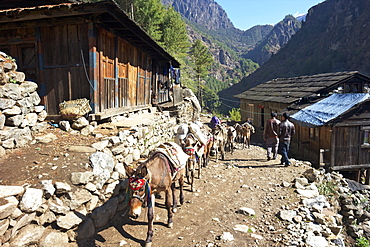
x: 272, y: 147
x: 284, y: 150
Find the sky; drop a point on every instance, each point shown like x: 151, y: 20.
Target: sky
x: 245, y: 14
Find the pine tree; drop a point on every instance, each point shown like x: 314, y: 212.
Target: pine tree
x: 174, y: 34
x: 202, y: 60
x: 148, y: 14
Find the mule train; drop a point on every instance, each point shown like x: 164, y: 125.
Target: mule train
x: 173, y: 161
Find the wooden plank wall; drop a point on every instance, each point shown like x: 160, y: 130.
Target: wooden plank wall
x: 347, y: 145
x: 63, y: 65
x: 125, y: 73
x: 57, y: 65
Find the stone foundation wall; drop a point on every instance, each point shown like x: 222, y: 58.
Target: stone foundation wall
x: 59, y: 213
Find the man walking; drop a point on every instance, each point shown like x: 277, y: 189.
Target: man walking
x: 270, y: 135
x: 286, y: 130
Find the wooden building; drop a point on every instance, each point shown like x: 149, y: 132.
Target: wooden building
x: 343, y: 123
x: 87, y: 50
x: 293, y: 94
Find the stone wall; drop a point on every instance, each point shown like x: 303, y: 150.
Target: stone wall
x: 20, y: 112
x: 60, y: 214
x: 331, y: 207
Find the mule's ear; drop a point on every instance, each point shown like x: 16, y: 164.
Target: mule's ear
x: 182, y: 142
x: 144, y: 171
x: 129, y: 170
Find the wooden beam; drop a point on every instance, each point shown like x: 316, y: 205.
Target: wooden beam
x: 117, y: 111
x: 351, y: 167
x: 39, y: 23
x: 45, y: 12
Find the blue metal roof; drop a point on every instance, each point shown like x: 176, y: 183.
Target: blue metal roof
x: 327, y: 109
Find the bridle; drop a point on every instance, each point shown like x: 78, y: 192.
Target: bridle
x: 135, y: 184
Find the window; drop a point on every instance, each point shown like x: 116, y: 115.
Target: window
x: 314, y: 134
x: 366, y: 136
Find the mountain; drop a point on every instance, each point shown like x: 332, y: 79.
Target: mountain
x: 275, y: 40
x: 207, y: 21
x: 334, y: 38
x: 206, y: 12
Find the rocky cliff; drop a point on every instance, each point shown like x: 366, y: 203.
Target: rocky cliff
x: 275, y: 40
x: 205, y: 12
x: 209, y: 22
x: 333, y: 38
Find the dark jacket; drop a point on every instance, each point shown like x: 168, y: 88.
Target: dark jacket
x: 271, y: 128
x: 286, y: 130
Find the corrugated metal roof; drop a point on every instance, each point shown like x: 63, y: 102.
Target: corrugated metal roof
x: 289, y: 90
x: 328, y: 109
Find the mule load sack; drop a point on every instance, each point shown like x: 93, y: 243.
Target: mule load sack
x: 74, y: 109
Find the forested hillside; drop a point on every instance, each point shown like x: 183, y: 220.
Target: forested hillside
x: 334, y: 38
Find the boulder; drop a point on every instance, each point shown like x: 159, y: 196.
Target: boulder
x: 316, y: 241
x: 80, y: 123
x: 62, y: 188
x: 48, y: 188
x: 47, y: 218
x: 81, y: 177
x: 6, y: 191
x: 81, y: 149
x: 58, y: 207
x: 23, y: 221
x: 103, y: 165
x: 27, y: 236
x: 100, y: 145
x: 70, y: 220
x: 54, y: 238
x: 247, y: 211
x: 79, y: 197
x: 4, y: 224
x: 287, y: 215
x: 31, y: 200
x: 46, y: 138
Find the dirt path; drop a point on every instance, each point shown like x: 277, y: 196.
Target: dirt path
x: 244, y: 179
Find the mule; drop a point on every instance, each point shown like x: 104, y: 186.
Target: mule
x: 153, y: 176
x: 207, y: 149
x: 230, y: 138
x: 239, y: 132
x: 248, y: 129
x: 218, y: 145
x: 196, y: 151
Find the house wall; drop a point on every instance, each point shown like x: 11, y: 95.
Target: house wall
x: 58, y: 56
x: 259, y: 112
x: 52, y: 56
x: 308, y: 142
x: 304, y: 145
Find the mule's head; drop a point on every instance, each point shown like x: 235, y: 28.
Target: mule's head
x: 215, y: 144
x: 138, y: 189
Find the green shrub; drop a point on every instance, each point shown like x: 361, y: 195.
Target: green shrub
x: 362, y: 242
x: 235, y: 114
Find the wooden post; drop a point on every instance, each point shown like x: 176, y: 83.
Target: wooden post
x: 93, y: 68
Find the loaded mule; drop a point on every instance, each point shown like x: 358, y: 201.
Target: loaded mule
x: 248, y: 129
x: 230, y: 138
x: 218, y: 145
x: 195, y: 150
x: 158, y: 173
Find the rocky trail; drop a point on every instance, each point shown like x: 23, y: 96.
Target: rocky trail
x: 235, y: 204
x: 243, y: 200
